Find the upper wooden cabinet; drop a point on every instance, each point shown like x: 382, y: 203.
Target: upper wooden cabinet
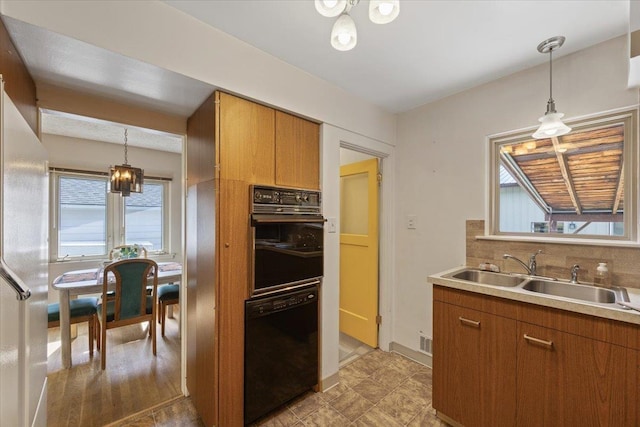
x: 246, y: 140
x: 297, y: 152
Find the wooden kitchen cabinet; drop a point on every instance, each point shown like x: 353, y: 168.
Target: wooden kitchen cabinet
x: 297, y: 152
x: 564, y: 379
x: 246, y: 140
x: 474, y: 360
x: 531, y: 365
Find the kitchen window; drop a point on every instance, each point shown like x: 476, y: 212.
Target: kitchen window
x: 87, y: 221
x: 579, y: 186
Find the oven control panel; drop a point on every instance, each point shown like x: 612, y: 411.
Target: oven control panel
x: 279, y: 198
x: 277, y: 303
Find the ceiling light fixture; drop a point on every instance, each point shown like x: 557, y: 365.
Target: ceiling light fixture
x: 125, y: 179
x: 344, y: 35
x: 551, y: 123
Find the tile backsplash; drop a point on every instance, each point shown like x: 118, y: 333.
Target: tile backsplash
x: 556, y: 259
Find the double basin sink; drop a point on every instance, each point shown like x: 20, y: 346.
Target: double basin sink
x: 542, y: 285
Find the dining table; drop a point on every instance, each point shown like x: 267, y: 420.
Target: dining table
x: 90, y: 281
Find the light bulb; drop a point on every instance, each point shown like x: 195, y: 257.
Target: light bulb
x: 330, y: 8
x: 383, y: 11
x: 344, y: 35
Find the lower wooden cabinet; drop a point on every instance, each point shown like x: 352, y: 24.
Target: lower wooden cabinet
x: 474, y: 361
x: 494, y: 366
x: 567, y: 380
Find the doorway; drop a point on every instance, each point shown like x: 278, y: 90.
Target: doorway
x: 359, y: 255
x: 134, y: 380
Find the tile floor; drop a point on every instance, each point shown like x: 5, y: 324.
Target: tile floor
x: 378, y: 389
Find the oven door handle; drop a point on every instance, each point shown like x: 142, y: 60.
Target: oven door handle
x: 286, y: 218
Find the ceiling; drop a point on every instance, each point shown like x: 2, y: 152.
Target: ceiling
x: 432, y: 50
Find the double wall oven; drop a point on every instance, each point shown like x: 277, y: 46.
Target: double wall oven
x: 281, y: 316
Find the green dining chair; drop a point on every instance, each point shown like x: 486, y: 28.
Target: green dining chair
x: 130, y: 303
x: 81, y: 310
x: 167, y: 295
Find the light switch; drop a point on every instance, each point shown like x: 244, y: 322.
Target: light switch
x: 331, y: 223
x: 411, y: 222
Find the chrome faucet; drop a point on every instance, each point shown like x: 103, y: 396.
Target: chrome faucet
x: 574, y: 273
x: 533, y: 265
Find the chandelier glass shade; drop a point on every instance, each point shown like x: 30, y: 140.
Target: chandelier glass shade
x: 125, y: 179
x: 344, y: 35
x: 551, y: 124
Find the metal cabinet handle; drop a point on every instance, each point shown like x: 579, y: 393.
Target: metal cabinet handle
x: 538, y: 341
x: 469, y: 322
x: 21, y: 290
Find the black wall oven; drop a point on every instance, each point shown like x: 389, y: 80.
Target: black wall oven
x: 287, y: 227
x: 281, y: 316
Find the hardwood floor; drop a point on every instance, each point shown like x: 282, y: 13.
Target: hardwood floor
x: 133, y: 381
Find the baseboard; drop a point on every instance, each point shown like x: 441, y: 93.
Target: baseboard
x: 420, y: 357
x: 330, y: 381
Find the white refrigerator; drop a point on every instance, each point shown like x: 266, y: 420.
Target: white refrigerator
x: 23, y: 271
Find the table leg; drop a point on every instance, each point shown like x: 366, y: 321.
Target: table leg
x: 65, y: 329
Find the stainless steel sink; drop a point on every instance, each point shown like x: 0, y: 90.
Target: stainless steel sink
x: 576, y: 291
x: 487, y: 278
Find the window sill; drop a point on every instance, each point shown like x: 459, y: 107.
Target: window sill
x: 564, y: 241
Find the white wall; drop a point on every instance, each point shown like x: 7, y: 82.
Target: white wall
x: 441, y: 154
x: 89, y: 155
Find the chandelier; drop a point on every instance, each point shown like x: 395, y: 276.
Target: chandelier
x: 551, y: 124
x: 344, y: 35
x: 125, y: 179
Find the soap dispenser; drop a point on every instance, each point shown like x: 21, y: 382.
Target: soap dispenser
x: 602, y: 275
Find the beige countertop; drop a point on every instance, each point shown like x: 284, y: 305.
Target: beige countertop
x: 607, y: 311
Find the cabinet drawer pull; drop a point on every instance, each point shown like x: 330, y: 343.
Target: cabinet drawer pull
x: 538, y: 341
x: 469, y: 322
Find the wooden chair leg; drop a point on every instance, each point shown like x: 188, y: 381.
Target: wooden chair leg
x: 163, y: 319
x: 98, y: 333
x: 153, y: 333
x: 92, y: 332
x: 103, y: 351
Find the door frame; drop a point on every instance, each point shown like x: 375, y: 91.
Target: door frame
x: 333, y: 138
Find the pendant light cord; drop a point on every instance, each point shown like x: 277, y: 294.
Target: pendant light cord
x: 125, y: 146
x: 551, y: 75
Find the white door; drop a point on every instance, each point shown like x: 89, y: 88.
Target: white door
x: 23, y: 256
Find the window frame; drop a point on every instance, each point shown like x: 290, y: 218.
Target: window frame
x: 115, y: 215
x: 628, y: 116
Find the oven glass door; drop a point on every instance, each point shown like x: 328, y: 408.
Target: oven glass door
x: 286, y: 253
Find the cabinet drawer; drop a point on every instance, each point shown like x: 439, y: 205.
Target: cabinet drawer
x: 485, y: 303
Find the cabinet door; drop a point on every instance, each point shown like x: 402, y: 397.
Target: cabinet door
x: 474, y: 363
x: 564, y: 379
x: 297, y: 152
x: 247, y: 141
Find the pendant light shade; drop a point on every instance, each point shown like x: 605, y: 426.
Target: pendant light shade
x: 551, y: 124
x: 383, y: 11
x: 344, y: 35
x: 330, y: 8
x: 125, y: 179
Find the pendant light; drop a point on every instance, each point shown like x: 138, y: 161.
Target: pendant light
x: 344, y: 35
x: 124, y: 178
x: 551, y: 124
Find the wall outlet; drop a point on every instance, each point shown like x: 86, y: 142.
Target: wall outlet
x: 411, y: 222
